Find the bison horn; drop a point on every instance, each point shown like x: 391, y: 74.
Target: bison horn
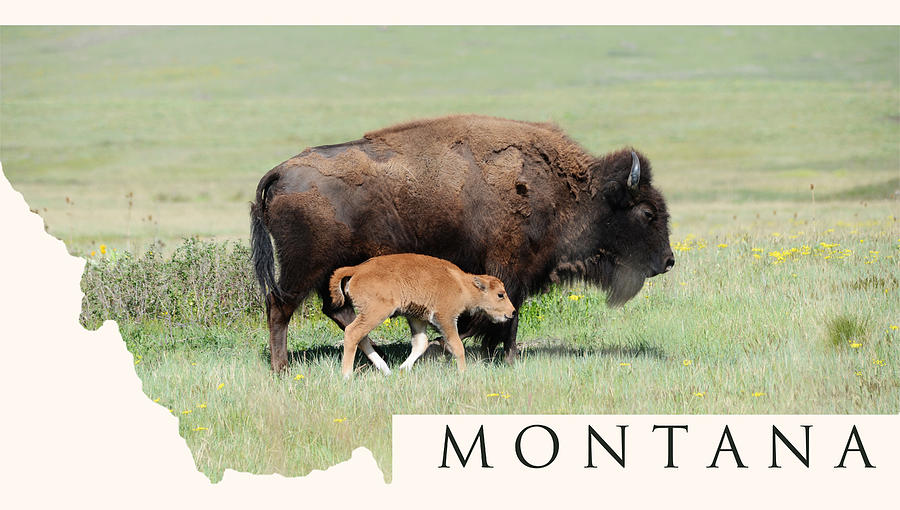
x: 635, y: 176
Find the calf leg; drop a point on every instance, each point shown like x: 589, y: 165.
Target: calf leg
x: 279, y: 316
x: 344, y: 317
x: 366, y: 345
x: 356, y: 331
x: 417, y: 328
x: 353, y: 333
x: 452, y: 340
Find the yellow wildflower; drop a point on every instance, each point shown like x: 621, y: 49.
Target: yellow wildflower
x: 492, y: 395
x: 387, y: 321
x: 298, y: 377
x: 103, y: 249
x: 93, y: 252
x: 855, y: 345
x: 202, y: 406
x: 340, y: 420
x: 686, y: 362
x: 879, y: 362
x: 188, y: 411
x: 894, y: 327
x: 156, y: 399
x: 575, y: 297
x: 758, y: 394
x: 220, y: 386
x: 722, y: 245
x: 623, y: 364
x: 193, y: 364
x: 198, y: 429
x: 700, y: 394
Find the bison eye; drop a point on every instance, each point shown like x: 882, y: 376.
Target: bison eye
x: 648, y: 215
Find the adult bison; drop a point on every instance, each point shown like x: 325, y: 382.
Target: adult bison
x: 517, y: 200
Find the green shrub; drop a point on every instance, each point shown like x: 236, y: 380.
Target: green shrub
x: 202, y: 283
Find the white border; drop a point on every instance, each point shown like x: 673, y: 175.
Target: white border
x: 464, y: 12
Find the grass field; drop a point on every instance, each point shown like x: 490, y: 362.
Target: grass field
x: 783, y: 299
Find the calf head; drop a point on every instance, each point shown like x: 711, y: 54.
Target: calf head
x: 492, y: 299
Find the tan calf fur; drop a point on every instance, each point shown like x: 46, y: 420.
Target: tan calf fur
x: 423, y: 289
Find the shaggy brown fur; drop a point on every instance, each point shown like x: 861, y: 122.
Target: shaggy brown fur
x: 517, y: 200
x: 423, y: 289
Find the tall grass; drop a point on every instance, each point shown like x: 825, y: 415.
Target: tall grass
x: 760, y: 321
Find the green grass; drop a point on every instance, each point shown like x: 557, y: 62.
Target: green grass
x: 138, y: 137
x: 808, y: 326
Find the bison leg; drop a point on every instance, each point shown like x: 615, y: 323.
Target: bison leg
x: 511, y: 330
x: 417, y: 328
x: 279, y: 316
x: 509, y: 341
x: 505, y: 331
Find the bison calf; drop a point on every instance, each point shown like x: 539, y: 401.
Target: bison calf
x: 421, y: 288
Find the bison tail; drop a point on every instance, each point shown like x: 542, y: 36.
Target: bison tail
x: 337, y: 280
x: 263, y: 254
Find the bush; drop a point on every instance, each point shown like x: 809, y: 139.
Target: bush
x: 202, y: 283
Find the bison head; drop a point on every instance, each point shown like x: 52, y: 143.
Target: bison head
x: 632, y: 227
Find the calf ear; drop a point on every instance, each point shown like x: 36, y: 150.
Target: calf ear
x: 478, y: 283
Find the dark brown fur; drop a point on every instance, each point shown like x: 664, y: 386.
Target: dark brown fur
x: 517, y: 200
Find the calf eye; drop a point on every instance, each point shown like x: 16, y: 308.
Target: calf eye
x: 500, y: 295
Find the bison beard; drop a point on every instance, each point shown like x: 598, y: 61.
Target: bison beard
x: 620, y: 282
x: 517, y: 200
